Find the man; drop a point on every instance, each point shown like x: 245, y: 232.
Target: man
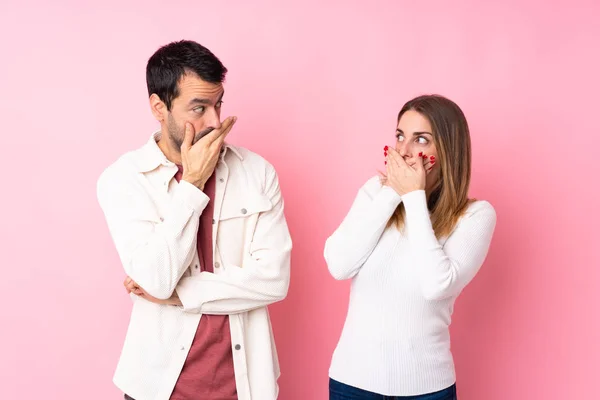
x: 199, y: 227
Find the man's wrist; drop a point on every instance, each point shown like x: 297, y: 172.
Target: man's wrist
x: 196, y: 183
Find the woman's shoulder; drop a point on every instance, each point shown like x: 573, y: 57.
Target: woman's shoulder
x: 476, y: 205
x: 480, y: 216
x: 482, y: 208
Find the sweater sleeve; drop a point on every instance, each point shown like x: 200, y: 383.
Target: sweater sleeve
x: 445, y: 270
x: 347, y: 249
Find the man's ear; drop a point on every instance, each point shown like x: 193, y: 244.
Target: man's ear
x: 158, y: 108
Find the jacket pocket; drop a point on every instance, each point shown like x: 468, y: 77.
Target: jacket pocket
x: 237, y: 223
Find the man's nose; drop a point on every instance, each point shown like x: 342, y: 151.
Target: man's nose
x: 214, y: 121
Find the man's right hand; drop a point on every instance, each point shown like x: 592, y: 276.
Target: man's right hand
x: 200, y: 159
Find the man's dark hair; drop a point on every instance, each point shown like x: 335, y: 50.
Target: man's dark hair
x: 171, y: 62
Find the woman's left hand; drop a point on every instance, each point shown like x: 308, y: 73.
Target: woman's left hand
x: 404, y: 178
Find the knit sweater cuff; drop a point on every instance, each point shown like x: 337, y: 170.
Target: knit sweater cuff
x: 389, y: 196
x: 418, y: 221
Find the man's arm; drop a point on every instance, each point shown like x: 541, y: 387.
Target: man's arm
x: 263, y: 278
x: 134, y: 290
x: 154, y: 254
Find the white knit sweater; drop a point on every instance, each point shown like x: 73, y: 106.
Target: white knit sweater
x: 396, y: 341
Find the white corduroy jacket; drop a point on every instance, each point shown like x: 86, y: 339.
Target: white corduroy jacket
x: 153, y: 221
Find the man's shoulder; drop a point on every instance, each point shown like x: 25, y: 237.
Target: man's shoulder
x: 255, y: 170
x: 122, y: 169
x: 251, y: 159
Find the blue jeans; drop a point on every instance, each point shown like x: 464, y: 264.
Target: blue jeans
x: 341, y: 391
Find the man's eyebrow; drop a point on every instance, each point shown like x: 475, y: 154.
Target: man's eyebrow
x: 199, y: 101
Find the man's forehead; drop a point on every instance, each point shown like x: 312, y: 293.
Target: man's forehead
x: 193, y: 85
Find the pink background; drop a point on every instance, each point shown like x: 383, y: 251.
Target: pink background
x: 316, y: 88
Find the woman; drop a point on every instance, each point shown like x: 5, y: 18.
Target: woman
x: 411, y: 242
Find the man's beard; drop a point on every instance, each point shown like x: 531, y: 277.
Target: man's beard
x: 177, y: 134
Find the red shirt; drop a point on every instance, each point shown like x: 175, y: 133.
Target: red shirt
x: 207, y: 373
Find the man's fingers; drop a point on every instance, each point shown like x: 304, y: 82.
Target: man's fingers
x: 130, y: 285
x: 216, y: 134
x: 227, y: 129
x: 224, y: 131
x: 126, y: 283
x: 188, y: 137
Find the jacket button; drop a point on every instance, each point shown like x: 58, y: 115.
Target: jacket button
x: 244, y: 211
x: 217, y: 265
x: 237, y: 347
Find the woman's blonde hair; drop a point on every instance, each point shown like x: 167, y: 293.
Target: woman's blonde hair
x: 448, y: 200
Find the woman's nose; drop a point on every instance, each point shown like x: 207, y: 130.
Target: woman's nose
x: 403, y: 149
